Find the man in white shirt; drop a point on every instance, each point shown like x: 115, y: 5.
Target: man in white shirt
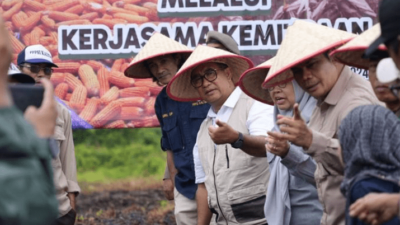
x: 232, y: 183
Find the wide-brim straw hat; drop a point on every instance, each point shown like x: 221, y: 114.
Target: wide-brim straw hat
x: 303, y: 40
x: 351, y: 53
x: 251, y: 80
x: 157, y: 45
x: 180, y: 88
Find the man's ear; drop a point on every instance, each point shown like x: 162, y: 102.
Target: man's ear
x: 228, y: 73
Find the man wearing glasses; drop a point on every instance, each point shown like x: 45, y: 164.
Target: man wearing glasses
x: 36, y: 61
x: 231, y: 183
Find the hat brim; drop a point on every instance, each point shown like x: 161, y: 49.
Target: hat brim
x: 275, y: 79
x: 36, y: 61
x: 354, y: 56
x: 186, y: 72
x: 250, y: 83
x: 22, y: 78
x: 140, y: 71
x: 374, y: 46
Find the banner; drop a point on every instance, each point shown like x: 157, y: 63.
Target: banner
x: 96, y: 39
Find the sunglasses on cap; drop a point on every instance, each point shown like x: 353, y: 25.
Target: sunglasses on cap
x: 36, y: 69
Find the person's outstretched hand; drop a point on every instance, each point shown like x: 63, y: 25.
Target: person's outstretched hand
x: 293, y: 129
x: 376, y: 208
x: 223, y: 134
x: 44, y: 118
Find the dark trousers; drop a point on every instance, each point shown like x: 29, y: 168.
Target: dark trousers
x: 67, y: 219
x: 369, y: 185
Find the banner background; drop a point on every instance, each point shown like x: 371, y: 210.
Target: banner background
x: 97, y: 39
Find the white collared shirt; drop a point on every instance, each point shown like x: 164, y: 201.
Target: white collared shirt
x: 260, y: 121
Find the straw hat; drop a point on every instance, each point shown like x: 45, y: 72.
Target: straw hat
x: 180, y: 88
x: 251, y: 80
x: 303, y: 41
x: 351, y: 53
x: 157, y: 45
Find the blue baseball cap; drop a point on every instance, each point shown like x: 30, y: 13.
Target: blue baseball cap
x: 35, y: 54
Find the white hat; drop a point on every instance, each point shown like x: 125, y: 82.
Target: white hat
x: 303, y: 40
x: 386, y: 71
x: 15, y: 73
x: 352, y: 52
x: 157, y: 45
x: 35, y: 54
x: 180, y: 88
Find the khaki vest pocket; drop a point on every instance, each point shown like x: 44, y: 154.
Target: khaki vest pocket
x: 248, y: 204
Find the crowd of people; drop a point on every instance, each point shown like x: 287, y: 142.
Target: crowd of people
x: 297, y: 140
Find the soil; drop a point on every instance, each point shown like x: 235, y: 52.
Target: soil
x: 126, y: 203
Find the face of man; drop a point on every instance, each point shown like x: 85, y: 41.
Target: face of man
x: 317, y: 76
x: 382, y: 91
x: 163, y: 67
x: 217, y: 91
x: 37, y: 71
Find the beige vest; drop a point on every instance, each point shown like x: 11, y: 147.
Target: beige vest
x: 235, y: 181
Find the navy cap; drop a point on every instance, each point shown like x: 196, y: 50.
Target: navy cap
x: 35, y: 54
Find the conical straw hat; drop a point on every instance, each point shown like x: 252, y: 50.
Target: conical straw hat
x: 180, y: 88
x: 351, y: 53
x: 303, y: 41
x: 157, y: 45
x: 251, y: 80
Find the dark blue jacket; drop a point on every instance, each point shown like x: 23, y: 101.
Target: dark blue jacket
x: 180, y: 122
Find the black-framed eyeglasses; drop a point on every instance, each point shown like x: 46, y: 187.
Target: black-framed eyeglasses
x: 279, y: 85
x: 36, y: 69
x: 210, y: 74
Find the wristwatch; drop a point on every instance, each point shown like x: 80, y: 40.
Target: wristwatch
x: 239, y: 142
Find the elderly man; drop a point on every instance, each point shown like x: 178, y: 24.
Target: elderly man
x: 304, y: 52
x: 231, y: 183
x: 36, y: 61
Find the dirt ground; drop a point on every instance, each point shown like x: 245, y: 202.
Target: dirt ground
x: 124, y: 203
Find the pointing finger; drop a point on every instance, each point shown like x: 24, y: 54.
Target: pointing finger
x: 296, y: 112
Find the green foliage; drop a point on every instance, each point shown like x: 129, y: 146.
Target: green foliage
x: 163, y: 203
x: 98, y: 213
x: 103, y: 155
